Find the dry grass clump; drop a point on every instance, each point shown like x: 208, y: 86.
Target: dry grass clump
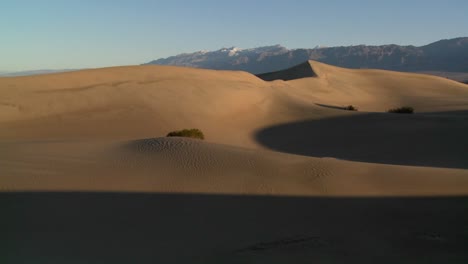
x: 402, y: 110
x: 190, y: 133
x: 350, y: 108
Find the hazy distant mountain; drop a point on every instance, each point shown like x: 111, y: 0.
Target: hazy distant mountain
x: 441, y: 56
x: 35, y: 72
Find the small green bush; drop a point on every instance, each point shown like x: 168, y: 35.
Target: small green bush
x: 190, y: 133
x: 350, y: 108
x: 402, y: 110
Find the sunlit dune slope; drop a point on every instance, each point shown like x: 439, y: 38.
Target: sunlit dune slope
x: 177, y: 165
x: 373, y: 90
x: 149, y: 101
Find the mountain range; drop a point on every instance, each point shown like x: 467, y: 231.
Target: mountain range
x: 448, y: 58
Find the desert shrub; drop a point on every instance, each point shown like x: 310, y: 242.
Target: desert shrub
x: 350, y: 108
x: 402, y: 110
x: 190, y: 133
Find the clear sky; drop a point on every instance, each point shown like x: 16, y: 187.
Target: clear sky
x: 58, y: 34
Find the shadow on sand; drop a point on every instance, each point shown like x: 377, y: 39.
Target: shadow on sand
x: 333, y: 106
x: 181, y: 228
x: 433, y: 139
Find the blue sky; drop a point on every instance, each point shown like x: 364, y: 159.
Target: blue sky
x: 58, y: 34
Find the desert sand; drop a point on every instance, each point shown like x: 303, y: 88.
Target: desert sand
x: 285, y: 175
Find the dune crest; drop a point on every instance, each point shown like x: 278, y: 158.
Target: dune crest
x: 303, y: 70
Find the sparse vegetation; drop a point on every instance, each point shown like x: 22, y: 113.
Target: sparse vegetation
x: 190, y: 133
x: 350, y: 108
x: 402, y: 110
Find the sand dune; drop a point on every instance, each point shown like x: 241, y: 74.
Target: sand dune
x: 379, y: 90
x: 85, y: 174
x: 178, y: 165
x: 299, y: 116
x: 149, y: 101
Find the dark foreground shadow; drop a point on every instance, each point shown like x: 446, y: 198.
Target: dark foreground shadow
x: 176, y: 228
x: 435, y: 139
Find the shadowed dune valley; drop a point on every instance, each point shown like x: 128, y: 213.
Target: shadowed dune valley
x: 167, y: 164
